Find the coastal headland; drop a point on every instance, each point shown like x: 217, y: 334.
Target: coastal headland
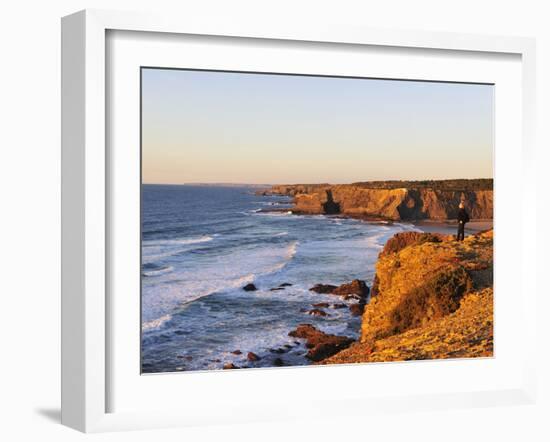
x: 392, y: 200
x: 432, y: 296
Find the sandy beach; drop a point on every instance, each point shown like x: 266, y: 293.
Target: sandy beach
x: 450, y: 227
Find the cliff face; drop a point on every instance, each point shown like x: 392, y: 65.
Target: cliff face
x: 433, y: 298
x: 293, y: 189
x: 394, y: 203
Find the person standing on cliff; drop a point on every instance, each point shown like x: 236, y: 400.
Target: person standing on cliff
x: 463, y: 218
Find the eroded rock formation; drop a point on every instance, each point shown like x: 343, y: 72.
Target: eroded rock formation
x: 433, y: 299
x: 411, y: 200
x: 320, y: 345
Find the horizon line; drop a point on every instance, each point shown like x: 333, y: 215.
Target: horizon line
x: 228, y: 183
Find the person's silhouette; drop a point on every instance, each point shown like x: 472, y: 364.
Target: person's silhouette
x: 463, y: 218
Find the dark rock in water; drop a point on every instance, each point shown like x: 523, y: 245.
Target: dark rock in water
x: 237, y: 352
x: 275, y: 289
x: 322, y: 288
x: 278, y: 350
x: 317, y: 312
x: 340, y: 305
x: 252, y: 356
x: 357, y: 309
x: 230, y: 366
x: 249, y: 287
x: 278, y: 362
x: 320, y: 344
x: 321, y: 305
x: 325, y: 350
x: 355, y: 290
x: 356, y: 287
x: 285, y: 284
x: 303, y: 331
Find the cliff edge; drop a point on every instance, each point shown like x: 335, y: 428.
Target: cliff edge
x: 432, y: 298
x: 393, y: 200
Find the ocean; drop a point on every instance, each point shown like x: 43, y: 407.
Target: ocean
x: 202, y: 244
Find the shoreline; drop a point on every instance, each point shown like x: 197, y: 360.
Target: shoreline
x: 446, y: 227
x: 446, y: 311
x: 311, y: 342
x: 430, y: 226
x: 450, y: 227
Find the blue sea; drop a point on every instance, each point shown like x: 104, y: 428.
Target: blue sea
x: 202, y: 244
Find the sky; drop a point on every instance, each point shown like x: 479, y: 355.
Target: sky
x: 224, y: 127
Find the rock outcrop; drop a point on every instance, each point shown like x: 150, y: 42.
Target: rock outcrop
x: 317, y: 312
x: 323, y: 288
x: 410, y: 200
x: 290, y: 189
x: 252, y: 357
x: 357, y: 309
x: 321, y: 345
x: 230, y: 366
x: 433, y: 298
x: 356, y: 289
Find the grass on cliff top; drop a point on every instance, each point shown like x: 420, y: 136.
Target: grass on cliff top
x: 466, y: 333
x: 458, y: 185
x: 438, y: 297
x: 448, y: 185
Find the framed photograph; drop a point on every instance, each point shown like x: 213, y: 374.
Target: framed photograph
x: 259, y: 223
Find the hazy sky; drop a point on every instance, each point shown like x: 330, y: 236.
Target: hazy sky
x: 259, y: 128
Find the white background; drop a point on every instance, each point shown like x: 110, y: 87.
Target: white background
x: 29, y: 220
x: 132, y: 392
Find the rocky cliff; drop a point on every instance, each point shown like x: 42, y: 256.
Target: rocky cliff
x: 393, y: 200
x: 432, y: 298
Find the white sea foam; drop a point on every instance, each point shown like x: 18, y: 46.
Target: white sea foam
x: 288, y: 214
x: 155, y: 250
x: 158, y: 272
x: 155, y: 323
x: 275, y: 203
x: 276, y: 235
x: 218, y: 274
x: 253, y: 321
x: 179, y: 241
x: 290, y: 253
x: 376, y: 241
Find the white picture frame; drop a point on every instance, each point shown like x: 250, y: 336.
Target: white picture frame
x: 86, y: 207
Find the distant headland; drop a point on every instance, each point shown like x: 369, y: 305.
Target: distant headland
x: 392, y: 200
